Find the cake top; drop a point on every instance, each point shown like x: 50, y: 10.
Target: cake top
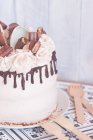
x: 22, y: 49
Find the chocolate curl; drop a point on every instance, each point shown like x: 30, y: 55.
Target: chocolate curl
x: 21, y: 42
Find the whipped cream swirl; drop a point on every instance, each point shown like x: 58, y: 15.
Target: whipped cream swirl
x: 22, y: 61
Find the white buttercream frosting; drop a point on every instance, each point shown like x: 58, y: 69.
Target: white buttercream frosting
x: 22, y: 60
x: 45, y: 51
x: 33, y: 104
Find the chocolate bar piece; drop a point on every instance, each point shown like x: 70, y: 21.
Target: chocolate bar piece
x: 33, y: 36
x: 36, y: 48
x: 21, y: 42
x: 5, y: 50
x: 31, y: 45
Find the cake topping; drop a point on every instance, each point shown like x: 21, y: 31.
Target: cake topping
x: 41, y: 30
x: 12, y: 26
x: 36, y: 48
x: 31, y: 45
x: 5, y: 49
x: 10, y: 29
x: 33, y: 36
x: 31, y: 54
x: 30, y: 42
x: 4, y: 26
x: 34, y: 39
x: 2, y: 42
x: 21, y: 42
x: 2, y: 37
x: 7, y: 34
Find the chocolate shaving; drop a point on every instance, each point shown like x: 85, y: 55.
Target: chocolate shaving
x: 21, y: 42
x: 4, y: 26
x: 5, y: 50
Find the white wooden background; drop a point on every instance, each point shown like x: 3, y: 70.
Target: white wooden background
x: 70, y: 24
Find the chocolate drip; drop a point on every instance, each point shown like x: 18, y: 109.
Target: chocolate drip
x: 23, y: 81
x: 27, y: 77
x: 54, y: 59
x: 40, y: 74
x: 51, y: 68
x: 18, y: 75
x: 9, y: 75
x: 15, y: 82
x: 1, y: 73
x: 46, y: 71
x: 31, y: 73
x: 5, y: 78
x: 55, y: 67
x: 32, y: 76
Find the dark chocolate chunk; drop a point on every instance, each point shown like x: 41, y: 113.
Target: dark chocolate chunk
x: 3, y: 25
x: 21, y: 42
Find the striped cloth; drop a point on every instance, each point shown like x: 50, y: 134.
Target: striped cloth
x: 38, y: 133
